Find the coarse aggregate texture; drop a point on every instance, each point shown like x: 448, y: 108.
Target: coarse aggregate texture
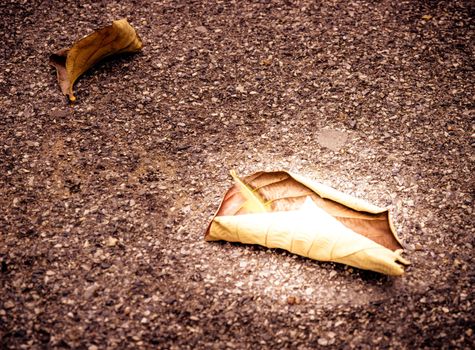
x: 104, y: 203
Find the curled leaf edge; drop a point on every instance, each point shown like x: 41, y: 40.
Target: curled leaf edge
x: 330, y: 193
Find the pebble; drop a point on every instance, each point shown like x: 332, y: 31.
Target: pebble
x: 322, y: 341
x: 99, y: 253
x: 9, y: 304
x: 33, y: 143
x: 111, y: 241
x: 201, y: 29
x: 292, y: 300
x: 89, y: 291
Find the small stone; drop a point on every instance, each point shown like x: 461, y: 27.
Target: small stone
x: 240, y: 89
x: 339, y: 322
x: 266, y: 61
x: 32, y: 143
x: 99, y: 253
x: 292, y: 300
x: 89, y: 292
x: 50, y: 273
x: 322, y: 341
x: 105, y: 265
x: 469, y: 332
x: 111, y: 241
x: 92, y: 347
x: 201, y: 29
x: 86, y: 267
x: 9, y: 304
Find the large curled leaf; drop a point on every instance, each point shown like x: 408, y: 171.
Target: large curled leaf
x: 70, y: 63
x: 284, y: 210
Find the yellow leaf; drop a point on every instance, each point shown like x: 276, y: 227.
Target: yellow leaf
x: 254, y: 203
x: 309, y: 219
x: 71, y: 63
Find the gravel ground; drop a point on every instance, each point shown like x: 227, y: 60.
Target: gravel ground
x: 104, y: 203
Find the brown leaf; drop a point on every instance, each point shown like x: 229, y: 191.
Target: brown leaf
x: 70, y: 63
x: 281, y: 191
x: 288, y: 211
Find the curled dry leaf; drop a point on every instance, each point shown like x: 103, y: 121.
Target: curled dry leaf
x: 291, y: 212
x: 70, y: 63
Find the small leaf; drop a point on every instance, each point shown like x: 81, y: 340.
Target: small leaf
x: 426, y: 17
x: 71, y: 63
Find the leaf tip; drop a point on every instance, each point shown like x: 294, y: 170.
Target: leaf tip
x: 400, y: 259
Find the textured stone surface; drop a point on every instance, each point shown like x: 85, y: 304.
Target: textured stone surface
x: 104, y: 203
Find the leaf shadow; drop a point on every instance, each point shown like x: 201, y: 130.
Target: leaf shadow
x: 109, y: 66
x: 370, y: 277
x: 105, y: 71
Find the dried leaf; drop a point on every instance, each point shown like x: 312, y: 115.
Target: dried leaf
x: 70, y: 63
x: 288, y: 211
